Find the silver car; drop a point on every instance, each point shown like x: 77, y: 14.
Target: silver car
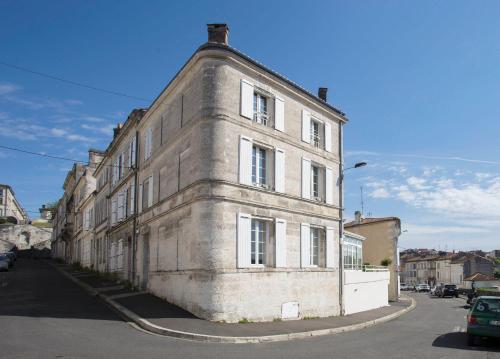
x: 4, y: 262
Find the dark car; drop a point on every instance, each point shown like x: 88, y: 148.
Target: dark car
x: 447, y: 290
x: 483, y: 319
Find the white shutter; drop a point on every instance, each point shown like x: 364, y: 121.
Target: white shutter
x: 328, y: 185
x: 132, y: 198
x: 280, y: 235
x: 113, y: 211
x: 330, y: 249
x: 243, y: 240
x: 279, y: 114
x: 139, y: 202
x: 305, y: 245
x: 306, y: 126
x: 306, y: 178
x: 150, y: 192
x: 328, y: 137
x: 246, y: 99
x: 148, y: 143
x: 245, y: 160
x: 279, y: 170
x: 120, y: 207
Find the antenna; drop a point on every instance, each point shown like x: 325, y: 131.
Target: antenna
x: 362, y: 201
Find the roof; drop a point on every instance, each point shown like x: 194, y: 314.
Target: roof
x: 217, y: 46
x: 371, y: 220
x: 354, y: 235
x: 481, y: 277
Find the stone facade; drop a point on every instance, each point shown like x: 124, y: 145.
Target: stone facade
x: 24, y: 236
x: 230, y: 207
x: 10, y: 207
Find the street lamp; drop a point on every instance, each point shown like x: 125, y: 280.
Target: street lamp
x: 341, y: 230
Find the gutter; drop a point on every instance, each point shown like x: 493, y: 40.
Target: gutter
x: 341, y: 224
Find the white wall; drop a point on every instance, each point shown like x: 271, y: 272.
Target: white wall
x: 365, y: 290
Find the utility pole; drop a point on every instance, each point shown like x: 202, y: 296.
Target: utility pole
x: 362, y: 201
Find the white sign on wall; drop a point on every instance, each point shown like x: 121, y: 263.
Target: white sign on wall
x: 290, y: 310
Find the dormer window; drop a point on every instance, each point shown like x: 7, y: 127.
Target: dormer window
x: 260, y: 114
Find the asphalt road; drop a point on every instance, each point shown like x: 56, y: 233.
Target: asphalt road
x: 45, y: 315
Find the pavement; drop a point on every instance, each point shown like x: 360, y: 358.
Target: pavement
x: 158, y: 316
x: 44, y: 314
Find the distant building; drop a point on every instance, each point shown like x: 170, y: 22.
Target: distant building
x: 381, y: 244
x: 9, y: 206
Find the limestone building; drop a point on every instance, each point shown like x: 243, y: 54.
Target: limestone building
x: 223, y: 196
x: 9, y: 206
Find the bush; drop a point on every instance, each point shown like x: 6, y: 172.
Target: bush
x: 386, y: 262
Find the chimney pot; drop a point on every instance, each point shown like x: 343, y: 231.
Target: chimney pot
x: 218, y: 33
x: 322, y: 93
x: 358, y: 217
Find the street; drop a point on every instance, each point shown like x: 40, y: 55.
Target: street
x: 45, y: 315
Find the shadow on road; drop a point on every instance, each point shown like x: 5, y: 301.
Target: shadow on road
x: 459, y: 341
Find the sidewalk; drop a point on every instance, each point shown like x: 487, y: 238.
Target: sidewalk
x: 157, y: 316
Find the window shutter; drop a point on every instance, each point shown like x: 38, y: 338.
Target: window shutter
x: 113, y: 211
x: 328, y: 185
x: 245, y: 160
x: 139, y: 202
x: 305, y: 245
x: 280, y: 235
x: 132, y: 198
x: 279, y: 170
x: 246, y: 99
x: 133, y: 150
x: 243, y: 240
x: 150, y: 192
x: 306, y: 126
x: 328, y: 137
x: 330, y: 249
x: 120, y: 206
x: 279, y: 114
x: 306, y: 178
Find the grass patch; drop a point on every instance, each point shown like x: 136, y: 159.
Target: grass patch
x: 277, y: 320
x: 309, y: 318
x: 244, y: 321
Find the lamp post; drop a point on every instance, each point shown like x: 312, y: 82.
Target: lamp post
x: 341, y: 231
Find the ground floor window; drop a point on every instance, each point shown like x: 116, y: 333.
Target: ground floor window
x: 259, y: 237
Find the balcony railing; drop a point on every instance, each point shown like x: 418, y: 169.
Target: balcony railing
x: 260, y: 117
x: 365, y: 268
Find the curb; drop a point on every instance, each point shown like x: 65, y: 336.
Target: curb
x: 153, y: 328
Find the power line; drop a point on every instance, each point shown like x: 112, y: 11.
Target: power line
x: 71, y: 82
x: 55, y: 157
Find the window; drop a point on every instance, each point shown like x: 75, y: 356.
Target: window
x: 315, y: 238
x: 259, y: 170
x: 353, y: 253
x: 258, y: 242
x: 317, y: 183
x: 260, y: 114
x: 315, y: 133
x: 147, y: 193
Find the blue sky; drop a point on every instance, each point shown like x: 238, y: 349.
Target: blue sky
x: 418, y: 81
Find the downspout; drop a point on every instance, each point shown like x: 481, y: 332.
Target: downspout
x: 134, y: 228
x: 341, y: 216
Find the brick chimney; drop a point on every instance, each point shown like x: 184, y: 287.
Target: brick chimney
x: 322, y: 93
x: 358, y: 217
x: 218, y: 33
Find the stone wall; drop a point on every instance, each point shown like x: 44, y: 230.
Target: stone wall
x: 24, y: 236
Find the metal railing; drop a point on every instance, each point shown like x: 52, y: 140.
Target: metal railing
x: 260, y: 117
x: 372, y: 268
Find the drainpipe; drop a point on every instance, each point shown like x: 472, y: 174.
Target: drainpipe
x: 134, y: 228
x: 341, y: 215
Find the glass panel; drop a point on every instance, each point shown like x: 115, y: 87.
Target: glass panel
x: 314, y: 246
x: 253, y: 242
x: 262, y: 166
x: 258, y: 242
x: 315, y: 181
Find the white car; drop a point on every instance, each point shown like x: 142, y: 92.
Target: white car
x: 4, y: 262
x: 423, y: 288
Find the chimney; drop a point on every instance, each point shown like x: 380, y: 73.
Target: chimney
x: 116, y: 130
x: 218, y: 33
x: 358, y: 217
x: 322, y: 93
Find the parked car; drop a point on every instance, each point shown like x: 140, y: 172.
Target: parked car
x: 4, y: 262
x: 447, y: 290
x: 422, y: 288
x: 483, y: 319
x: 10, y: 259
x: 11, y: 256
x: 404, y: 286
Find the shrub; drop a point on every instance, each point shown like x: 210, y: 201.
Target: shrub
x: 386, y: 262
